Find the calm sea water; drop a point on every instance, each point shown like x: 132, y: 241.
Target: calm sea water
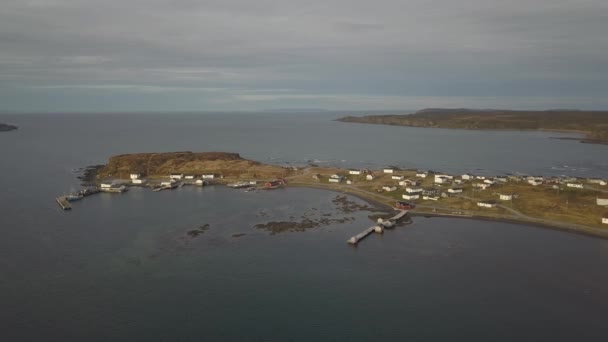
x: 121, y: 267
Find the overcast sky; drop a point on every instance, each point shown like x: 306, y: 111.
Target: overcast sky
x: 137, y: 55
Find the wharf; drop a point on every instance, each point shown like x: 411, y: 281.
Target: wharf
x: 63, y: 203
x: 378, y: 228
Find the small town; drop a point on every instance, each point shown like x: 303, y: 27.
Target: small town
x: 570, y: 203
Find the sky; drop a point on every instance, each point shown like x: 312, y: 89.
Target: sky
x: 241, y: 55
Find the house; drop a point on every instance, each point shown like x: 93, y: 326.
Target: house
x: 397, y: 177
x: 534, y: 182
x: 189, y: 176
x: 605, y: 219
x: 208, y: 176
x: 574, y: 185
x: 404, y: 205
x: 514, y: 178
x: 595, y: 181
x: 441, y: 179
x: 135, y: 175
x: 482, y: 186
x: 370, y: 177
x: 316, y: 177
x: 406, y: 182
x: 335, y: 180
x: 354, y: 172
x: 349, y: 182
x: 480, y: 177
x: 501, y: 179
x: 411, y: 190
x: 601, y: 201
x: 199, y: 182
x: 389, y: 188
x: 458, y: 181
x: 422, y: 174
x: 105, y: 185
x: 176, y: 176
x: 505, y: 197
x: 410, y: 196
x: 455, y: 190
x: 467, y: 176
x: 430, y: 192
x: 489, y: 181
x: 388, y: 170
x: 137, y: 181
x: 486, y: 204
x: 430, y: 198
x: 170, y: 182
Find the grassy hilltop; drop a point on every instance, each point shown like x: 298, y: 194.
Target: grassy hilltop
x: 162, y: 164
x: 592, y: 123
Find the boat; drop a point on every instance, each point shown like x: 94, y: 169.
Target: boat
x: 74, y: 197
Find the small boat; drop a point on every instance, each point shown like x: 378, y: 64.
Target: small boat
x: 73, y: 197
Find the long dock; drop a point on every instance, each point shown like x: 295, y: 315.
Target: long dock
x: 63, y: 203
x: 379, y: 228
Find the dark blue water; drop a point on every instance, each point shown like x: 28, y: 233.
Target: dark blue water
x: 122, y: 267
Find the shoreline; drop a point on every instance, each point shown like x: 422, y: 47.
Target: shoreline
x: 416, y: 213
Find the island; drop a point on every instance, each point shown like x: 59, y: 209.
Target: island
x: 593, y: 124
x: 568, y: 203
x: 6, y: 128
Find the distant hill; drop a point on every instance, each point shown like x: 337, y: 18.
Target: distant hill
x: 592, y: 123
x: 6, y: 128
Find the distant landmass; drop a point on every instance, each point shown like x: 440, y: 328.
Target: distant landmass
x: 6, y: 128
x: 594, y: 124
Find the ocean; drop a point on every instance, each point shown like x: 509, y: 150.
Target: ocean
x: 124, y: 268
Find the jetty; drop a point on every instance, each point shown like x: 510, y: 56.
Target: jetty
x: 379, y: 228
x: 63, y: 203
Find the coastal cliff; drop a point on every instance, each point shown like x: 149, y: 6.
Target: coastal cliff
x: 594, y: 124
x: 162, y: 164
x: 6, y: 128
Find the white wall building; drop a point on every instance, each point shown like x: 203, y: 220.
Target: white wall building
x: 410, y: 196
x: 486, y: 204
x: 135, y: 175
x: 354, y: 172
x: 389, y: 188
x: 208, y: 176
x: 574, y: 185
x: 605, y: 220
x: 388, y: 170
x: 369, y: 177
x: 176, y: 176
x: 189, y: 176
x: 601, y: 201
x: 467, y: 176
x: 504, y: 197
x: 411, y: 190
x: 397, y: 177
x: 422, y: 174
x: 455, y: 190
x: 137, y: 181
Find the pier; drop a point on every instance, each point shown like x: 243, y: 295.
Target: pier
x: 379, y: 228
x: 63, y: 203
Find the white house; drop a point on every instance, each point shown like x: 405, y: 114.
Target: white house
x: 467, y: 176
x: 410, y: 196
x: 422, y: 174
x: 574, y: 185
x: 504, y: 197
x: 458, y: 181
x: 455, y: 190
x: 168, y: 183
x: 189, y: 176
x: 335, y: 180
x: 397, y: 177
x: 601, y: 201
x: 335, y: 176
x: 208, y: 176
x: 389, y: 188
x: 431, y: 198
x: 176, y: 176
x: 411, y: 190
x: 480, y: 177
x: 501, y: 179
x: 441, y: 179
x: 369, y: 177
x: 486, y: 204
x: 489, y: 181
x: 354, y: 172
x: 534, y: 182
x: 482, y: 186
x: 135, y: 175
x: 388, y: 170
x: 137, y: 181
x: 106, y: 185
x: 605, y: 219
x: 349, y: 182
x: 199, y: 182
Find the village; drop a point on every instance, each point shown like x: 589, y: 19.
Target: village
x: 566, y: 202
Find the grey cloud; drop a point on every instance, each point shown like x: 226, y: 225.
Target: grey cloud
x: 350, y: 48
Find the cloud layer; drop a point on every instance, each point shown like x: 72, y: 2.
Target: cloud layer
x: 337, y: 54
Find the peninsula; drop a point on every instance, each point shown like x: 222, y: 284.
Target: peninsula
x: 593, y: 124
x: 574, y: 204
x: 6, y: 128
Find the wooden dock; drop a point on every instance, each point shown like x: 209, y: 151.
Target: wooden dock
x: 378, y: 228
x: 63, y: 203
